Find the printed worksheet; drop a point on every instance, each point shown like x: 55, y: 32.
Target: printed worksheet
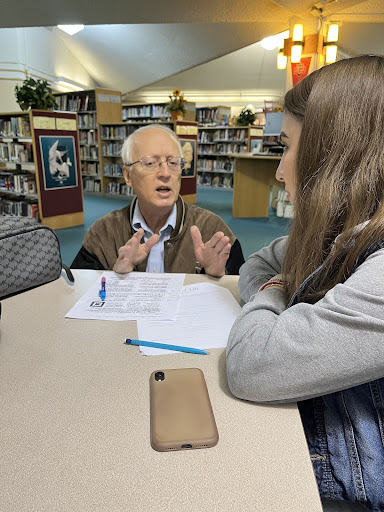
x: 130, y: 297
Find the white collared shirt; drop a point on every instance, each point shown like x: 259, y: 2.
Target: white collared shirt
x: 156, y: 256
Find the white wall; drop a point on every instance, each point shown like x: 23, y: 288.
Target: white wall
x: 39, y: 53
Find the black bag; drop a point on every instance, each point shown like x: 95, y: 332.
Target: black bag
x: 29, y: 255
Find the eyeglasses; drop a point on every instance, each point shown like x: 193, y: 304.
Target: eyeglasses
x: 152, y: 163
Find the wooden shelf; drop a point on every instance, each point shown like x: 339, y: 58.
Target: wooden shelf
x: 105, y: 108
x: 51, y: 193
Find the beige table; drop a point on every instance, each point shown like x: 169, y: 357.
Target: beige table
x: 253, y: 177
x: 74, y: 428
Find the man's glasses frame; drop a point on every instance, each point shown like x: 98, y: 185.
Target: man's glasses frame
x: 152, y: 163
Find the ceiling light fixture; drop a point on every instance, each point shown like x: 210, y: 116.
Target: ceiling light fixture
x: 69, y: 84
x: 71, y: 29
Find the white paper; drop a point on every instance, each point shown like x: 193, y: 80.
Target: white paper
x: 206, y: 315
x: 131, y: 296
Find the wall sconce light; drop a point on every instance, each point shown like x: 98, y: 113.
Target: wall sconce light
x: 330, y: 45
x: 313, y: 43
x: 298, y: 42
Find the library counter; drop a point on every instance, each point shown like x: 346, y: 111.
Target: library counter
x: 74, y: 433
x: 253, y: 177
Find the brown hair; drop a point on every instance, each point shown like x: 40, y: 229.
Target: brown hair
x: 340, y: 171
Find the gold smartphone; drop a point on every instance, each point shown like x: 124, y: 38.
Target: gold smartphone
x: 181, y: 412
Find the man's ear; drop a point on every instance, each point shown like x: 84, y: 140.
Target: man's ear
x: 127, y: 175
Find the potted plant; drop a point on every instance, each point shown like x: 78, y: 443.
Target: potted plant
x: 246, y: 117
x: 176, y: 105
x: 35, y: 94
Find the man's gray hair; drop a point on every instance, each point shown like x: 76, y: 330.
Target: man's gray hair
x: 127, y: 149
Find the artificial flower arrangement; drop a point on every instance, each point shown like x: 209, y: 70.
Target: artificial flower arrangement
x: 176, y: 103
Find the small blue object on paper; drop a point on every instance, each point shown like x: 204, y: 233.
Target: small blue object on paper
x: 102, y: 292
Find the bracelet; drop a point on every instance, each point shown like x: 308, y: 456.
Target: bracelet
x: 275, y: 283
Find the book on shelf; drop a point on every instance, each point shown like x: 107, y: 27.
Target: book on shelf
x: 91, y: 185
x: 112, y: 149
x: 219, y: 115
x: 115, y: 170
x: 215, y: 180
x: 91, y: 168
x: 19, y: 208
x: 18, y: 183
x: 116, y: 188
x: 15, y: 127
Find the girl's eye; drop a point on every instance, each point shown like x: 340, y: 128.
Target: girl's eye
x: 282, y: 144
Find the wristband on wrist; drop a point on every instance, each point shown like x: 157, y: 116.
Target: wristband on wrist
x: 274, y: 283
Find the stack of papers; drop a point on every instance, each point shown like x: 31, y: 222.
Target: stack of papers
x: 198, y: 316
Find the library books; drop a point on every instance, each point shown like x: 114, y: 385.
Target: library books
x: 116, y: 188
x: 91, y: 168
x: 87, y: 121
x: 112, y: 149
x: 115, y: 170
x: 90, y: 152
x: 120, y: 132
x: 76, y: 102
x: 88, y: 137
x: 19, y: 183
x: 216, y: 180
x: 91, y: 185
x: 213, y: 115
x: 15, y: 152
x: 145, y: 112
x: 15, y: 127
x: 19, y: 208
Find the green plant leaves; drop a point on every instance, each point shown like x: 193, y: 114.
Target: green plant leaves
x: 35, y: 94
x: 246, y: 117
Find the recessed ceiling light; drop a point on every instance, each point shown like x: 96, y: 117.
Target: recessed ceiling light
x: 71, y: 29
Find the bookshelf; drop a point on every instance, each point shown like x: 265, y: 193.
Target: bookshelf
x: 39, y: 167
x: 93, y: 107
x: 112, y: 136
x: 215, y: 165
x: 154, y: 112
x: 213, y: 116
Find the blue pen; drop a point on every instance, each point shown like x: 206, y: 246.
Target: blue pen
x: 165, y: 346
x: 102, y: 292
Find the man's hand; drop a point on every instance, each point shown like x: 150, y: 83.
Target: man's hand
x: 212, y: 255
x: 133, y: 252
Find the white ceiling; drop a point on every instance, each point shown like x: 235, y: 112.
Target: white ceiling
x: 196, y: 45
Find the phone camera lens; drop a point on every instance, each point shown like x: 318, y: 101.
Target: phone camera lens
x: 159, y: 376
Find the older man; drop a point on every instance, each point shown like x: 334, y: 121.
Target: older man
x: 176, y: 236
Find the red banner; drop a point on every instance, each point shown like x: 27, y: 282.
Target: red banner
x: 300, y: 70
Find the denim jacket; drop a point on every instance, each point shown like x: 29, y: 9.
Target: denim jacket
x: 345, y: 435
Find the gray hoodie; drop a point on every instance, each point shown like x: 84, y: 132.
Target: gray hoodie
x: 276, y: 354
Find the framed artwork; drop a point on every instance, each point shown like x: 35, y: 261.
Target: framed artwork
x: 256, y: 146
x: 189, y: 152
x: 58, y: 160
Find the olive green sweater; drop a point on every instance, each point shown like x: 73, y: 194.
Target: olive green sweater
x: 108, y: 234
